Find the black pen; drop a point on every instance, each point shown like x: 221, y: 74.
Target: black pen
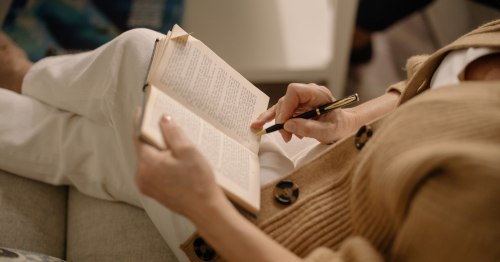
x: 315, y: 112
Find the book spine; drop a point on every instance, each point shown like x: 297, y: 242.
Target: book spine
x: 149, y: 66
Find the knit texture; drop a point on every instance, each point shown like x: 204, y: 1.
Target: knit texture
x: 323, y: 221
x: 423, y: 139
x: 425, y: 187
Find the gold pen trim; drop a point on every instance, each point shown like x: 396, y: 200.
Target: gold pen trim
x: 261, y: 132
x: 343, y: 102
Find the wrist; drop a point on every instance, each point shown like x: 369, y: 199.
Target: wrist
x: 354, y: 118
x: 208, y: 209
x: 373, y: 109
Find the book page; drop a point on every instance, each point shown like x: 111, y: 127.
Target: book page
x: 159, y: 49
x: 196, y: 77
x: 236, y: 167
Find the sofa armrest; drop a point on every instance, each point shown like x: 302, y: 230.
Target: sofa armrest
x: 33, y: 215
x: 100, y: 230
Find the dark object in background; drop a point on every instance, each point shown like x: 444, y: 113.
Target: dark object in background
x: 159, y: 15
x: 49, y: 27
x: 378, y: 15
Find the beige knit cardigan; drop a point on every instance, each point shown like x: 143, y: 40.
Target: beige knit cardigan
x: 425, y: 187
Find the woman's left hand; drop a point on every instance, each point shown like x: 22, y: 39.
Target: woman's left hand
x: 179, y: 177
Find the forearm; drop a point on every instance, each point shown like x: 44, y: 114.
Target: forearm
x: 235, y: 238
x: 375, y: 108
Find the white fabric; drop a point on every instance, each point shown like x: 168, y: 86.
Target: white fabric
x: 454, y: 64
x: 73, y: 125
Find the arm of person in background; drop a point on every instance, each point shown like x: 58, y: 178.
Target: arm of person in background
x: 14, y: 64
x: 327, y: 128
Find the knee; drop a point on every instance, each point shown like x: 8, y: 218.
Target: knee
x: 137, y: 39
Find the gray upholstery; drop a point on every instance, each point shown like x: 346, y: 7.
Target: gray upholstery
x: 108, y: 231
x: 32, y: 215
x: 61, y: 222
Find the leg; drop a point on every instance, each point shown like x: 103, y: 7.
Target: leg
x: 58, y: 147
x: 96, y: 84
x: 74, y: 126
x: 47, y: 144
x: 91, y: 96
x: 104, y: 86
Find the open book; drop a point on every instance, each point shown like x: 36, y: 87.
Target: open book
x: 213, y: 104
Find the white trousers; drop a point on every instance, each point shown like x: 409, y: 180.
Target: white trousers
x: 73, y: 126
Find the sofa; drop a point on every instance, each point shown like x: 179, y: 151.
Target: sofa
x: 61, y: 222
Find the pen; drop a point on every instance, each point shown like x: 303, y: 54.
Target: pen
x: 315, y: 112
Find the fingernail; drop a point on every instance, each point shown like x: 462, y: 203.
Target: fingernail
x: 166, y: 118
x: 290, y: 126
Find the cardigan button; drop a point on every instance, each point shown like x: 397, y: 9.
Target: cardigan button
x: 203, y: 250
x: 286, y: 192
x: 362, y: 136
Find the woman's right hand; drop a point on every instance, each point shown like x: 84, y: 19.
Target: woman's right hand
x: 300, y: 98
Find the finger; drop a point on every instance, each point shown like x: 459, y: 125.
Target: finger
x: 321, y: 131
x: 287, y: 136
x: 302, y: 95
x: 263, y: 118
x: 137, y: 121
x: 143, y: 149
x: 149, y: 162
x: 148, y: 152
x: 309, y: 94
x: 175, y: 139
x: 136, y: 130
x: 278, y: 117
x: 296, y: 94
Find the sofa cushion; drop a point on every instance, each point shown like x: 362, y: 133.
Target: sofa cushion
x: 33, y: 215
x: 100, y: 230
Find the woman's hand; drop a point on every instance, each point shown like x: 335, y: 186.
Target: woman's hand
x: 300, y: 98
x: 179, y: 177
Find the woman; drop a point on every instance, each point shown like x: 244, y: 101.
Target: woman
x: 420, y: 184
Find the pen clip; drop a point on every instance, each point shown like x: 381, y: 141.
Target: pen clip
x: 343, y: 102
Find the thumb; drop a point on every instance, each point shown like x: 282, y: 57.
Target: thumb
x: 175, y: 139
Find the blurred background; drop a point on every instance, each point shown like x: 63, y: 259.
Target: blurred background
x: 51, y: 27
x: 271, y: 42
